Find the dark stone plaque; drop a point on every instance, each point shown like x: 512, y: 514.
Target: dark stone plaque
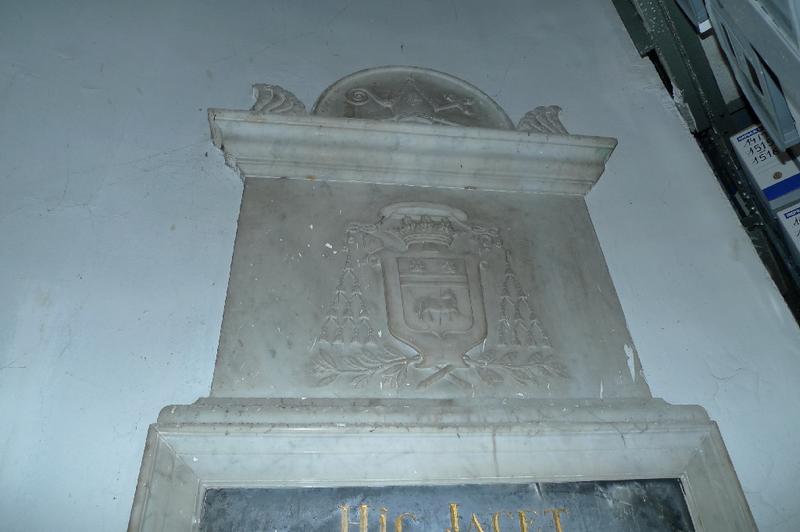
x: 618, y: 506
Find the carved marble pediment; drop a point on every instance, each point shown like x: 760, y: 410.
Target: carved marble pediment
x: 410, y: 95
x: 407, y: 125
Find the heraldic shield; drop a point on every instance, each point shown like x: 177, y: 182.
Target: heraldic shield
x: 434, y: 303
x: 434, y: 296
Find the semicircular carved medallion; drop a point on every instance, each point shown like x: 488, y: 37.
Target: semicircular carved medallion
x: 411, y: 94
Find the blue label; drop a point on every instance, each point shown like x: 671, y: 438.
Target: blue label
x: 749, y: 134
x: 784, y: 187
x: 791, y: 214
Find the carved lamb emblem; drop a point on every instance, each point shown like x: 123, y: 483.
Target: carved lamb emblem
x: 430, y: 309
x: 430, y: 259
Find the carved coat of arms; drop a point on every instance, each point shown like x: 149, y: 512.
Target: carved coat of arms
x: 433, y: 289
x: 434, y: 297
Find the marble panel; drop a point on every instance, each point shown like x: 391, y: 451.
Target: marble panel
x: 358, y: 290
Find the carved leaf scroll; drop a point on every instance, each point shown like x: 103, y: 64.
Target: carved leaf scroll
x: 275, y: 99
x: 543, y: 119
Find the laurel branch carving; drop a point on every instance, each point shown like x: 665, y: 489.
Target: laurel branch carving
x: 525, y: 368
x: 391, y: 369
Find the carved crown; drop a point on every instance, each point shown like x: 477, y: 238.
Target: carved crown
x: 426, y: 229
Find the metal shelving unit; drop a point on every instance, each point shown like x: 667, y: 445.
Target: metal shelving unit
x: 661, y: 31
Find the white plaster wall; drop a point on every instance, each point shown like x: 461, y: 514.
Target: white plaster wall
x: 117, y: 220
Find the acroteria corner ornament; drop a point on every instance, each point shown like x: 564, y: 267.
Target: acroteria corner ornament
x: 434, y: 266
x: 410, y: 95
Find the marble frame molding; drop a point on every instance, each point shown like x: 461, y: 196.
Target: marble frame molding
x: 258, y: 443
x: 341, y: 149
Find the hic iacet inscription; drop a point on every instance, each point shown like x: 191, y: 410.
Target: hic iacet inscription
x: 611, y: 506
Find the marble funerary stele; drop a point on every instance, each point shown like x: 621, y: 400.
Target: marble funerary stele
x: 417, y: 297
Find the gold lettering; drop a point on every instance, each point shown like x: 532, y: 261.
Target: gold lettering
x: 477, y: 524
x: 523, y: 521
x: 363, y: 520
x: 454, y: 518
x: 496, y: 522
x: 398, y: 523
x: 382, y: 520
x: 455, y: 526
x: 557, y: 517
x: 344, y: 510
